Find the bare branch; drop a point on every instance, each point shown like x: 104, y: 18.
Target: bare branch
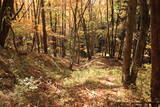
x: 18, y: 12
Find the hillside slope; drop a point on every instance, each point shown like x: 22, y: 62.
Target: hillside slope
x: 45, y: 81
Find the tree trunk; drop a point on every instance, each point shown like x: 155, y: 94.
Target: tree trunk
x: 44, y: 28
x: 112, y: 44
x: 50, y: 16
x: 36, y: 35
x: 87, y: 38
x: 137, y: 60
x: 63, y: 50
x: 53, y: 29
x: 107, y: 36
x: 0, y: 3
x: 155, y: 43
x: 7, y: 6
x: 126, y: 78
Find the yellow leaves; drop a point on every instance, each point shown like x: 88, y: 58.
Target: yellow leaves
x: 23, y: 28
x: 26, y: 27
x: 23, y: 23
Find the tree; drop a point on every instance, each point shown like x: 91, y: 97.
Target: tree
x: 87, y: 38
x: 112, y: 43
x: 155, y: 43
x: 63, y: 29
x: 78, y: 15
x: 53, y: 28
x: 126, y: 77
x: 141, y: 43
x: 6, y: 12
x: 44, y: 28
x: 36, y: 35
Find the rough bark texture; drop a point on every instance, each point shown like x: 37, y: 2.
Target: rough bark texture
x: 128, y: 43
x: 155, y: 42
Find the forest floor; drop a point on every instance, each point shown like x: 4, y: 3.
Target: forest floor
x: 42, y: 78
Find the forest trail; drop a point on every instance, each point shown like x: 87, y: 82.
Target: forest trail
x: 99, y: 62
x: 95, y: 83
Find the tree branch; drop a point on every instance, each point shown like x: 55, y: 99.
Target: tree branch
x: 18, y: 12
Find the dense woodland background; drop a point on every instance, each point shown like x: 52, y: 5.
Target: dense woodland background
x: 79, y: 53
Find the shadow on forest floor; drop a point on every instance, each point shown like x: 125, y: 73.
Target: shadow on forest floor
x: 102, y: 90
x: 92, y: 83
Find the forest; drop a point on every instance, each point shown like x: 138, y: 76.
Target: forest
x: 79, y: 53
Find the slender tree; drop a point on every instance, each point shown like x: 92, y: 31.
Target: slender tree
x: 107, y: 35
x: 36, y: 35
x: 112, y: 43
x: 63, y: 32
x: 126, y: 77
x: 44, y: 27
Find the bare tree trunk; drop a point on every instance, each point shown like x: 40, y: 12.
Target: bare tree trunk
x: 107, y: 37
x: 126, y: 78
x: 53, y: 29
x: 36, y: 35
x: 0, y: 3
x: 7, y: 7
x: 87, y: 39
x: 50, y: 15
x: 63, y: 50
x: 44, y: 28
x: 91, y: 36
x: 155, y: 43
x: 122, y: 36
x: 137, y: 60
x: 75, y: 33
x: 112, y: 43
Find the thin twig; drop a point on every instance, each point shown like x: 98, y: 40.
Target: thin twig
x: 18, y: 12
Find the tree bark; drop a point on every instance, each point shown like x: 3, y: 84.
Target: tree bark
x: 126, y: 78
x: 7, y: 6
x: 141, y: 43
x: 0, y: 3
x: 44, y: 28
x: 155, y: 43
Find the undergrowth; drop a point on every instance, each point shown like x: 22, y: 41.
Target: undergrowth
x: 42, y: 79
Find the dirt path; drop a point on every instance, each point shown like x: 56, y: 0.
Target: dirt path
x: 95, y: 83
